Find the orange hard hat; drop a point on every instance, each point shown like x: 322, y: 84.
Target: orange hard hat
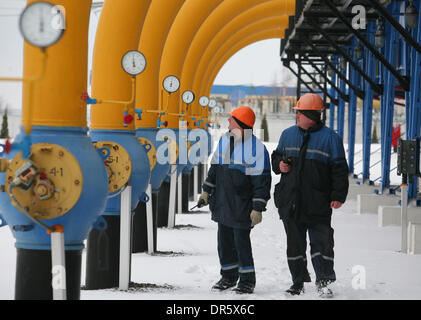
x: 310, y: 101
x: 245, y: 114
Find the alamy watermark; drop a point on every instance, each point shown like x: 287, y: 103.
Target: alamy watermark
x: 195, y: 146
x: 359, y: 280
x: 359, y: 21
x: 58, y: 17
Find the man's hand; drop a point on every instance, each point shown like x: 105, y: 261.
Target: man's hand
x: 255, y: 217
x: 335, y: 204
x: 284, y: 167
x: 203, y: 200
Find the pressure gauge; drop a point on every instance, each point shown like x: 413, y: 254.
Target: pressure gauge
x: 216, y: 110
x: 204, y: 101
x: 39, y: 25
x: 212, y: 103
x: 188, y: 97
x: 133, y: 62
x: 171, y: 84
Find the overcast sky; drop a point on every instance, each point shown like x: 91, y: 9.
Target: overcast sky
x: 257, y: 64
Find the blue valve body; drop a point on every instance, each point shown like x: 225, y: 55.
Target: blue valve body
x: 78, y: 221
x: 140, y: 176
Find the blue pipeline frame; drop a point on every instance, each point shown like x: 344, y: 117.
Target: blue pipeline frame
x: 341, y: 106
x: 413, y: 102
x: 388, y: 97
x: 334, y: 94
x: 370, y: 70
x: 352, y: 112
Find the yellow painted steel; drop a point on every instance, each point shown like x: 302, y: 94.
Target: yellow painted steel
x: 30, y: 82
x: 262, y: 11
x: 118, y: 31
x: 273, y: 33
x: 57, y: 192
x: 190, y: 17
x: 220, y: 18
x: 271, y: 22
x: 160, y: 16
x: 57, y: 96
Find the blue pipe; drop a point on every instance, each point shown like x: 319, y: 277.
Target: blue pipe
x: 78, y: 221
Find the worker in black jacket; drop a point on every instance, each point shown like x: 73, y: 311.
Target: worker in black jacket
x: 314, y: 181
x: 237, y: 189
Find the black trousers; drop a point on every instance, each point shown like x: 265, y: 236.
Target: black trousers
x: 321, y: 244
x: 235, y: 254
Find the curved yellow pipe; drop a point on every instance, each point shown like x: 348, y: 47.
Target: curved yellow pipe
x: 158, y: 21
x: 278, y: 22
x: 221, y: 19
x: 188, y: 20
x: 118, y: 31
x: 272, y: 33
x: 267, y: 9
x: 261, y: 25
x: 56, y: 98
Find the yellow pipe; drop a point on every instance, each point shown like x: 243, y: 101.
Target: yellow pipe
x: 118, y: 31
x: 273, y: 33
x: 160, y: 16
x: 125, y: 103
x: 220, y: 18
x: 277, y: 22
x: 190, y: 17
x: 56, y: 98
x: 264, y: 10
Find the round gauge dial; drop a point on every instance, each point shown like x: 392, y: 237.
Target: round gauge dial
x: 41, y: 24
x: 216, y: 109
x: 204, y: 101
x: 212, y: 103
x: 171, y: 84
x: 133, y: 62
x: 188, y: 97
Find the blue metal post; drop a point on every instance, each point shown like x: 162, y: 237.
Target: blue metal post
x: 413, y: 120
x: 352, y: 114
x: 341, y: 107
x: 370, y: 70
x: 387, y: 106
x: 334, y: 94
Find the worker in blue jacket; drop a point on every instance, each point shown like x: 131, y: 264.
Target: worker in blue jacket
x: 314, y: 181
x: 237, y: 189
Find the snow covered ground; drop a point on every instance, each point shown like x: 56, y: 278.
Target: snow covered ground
x: 368, y: 263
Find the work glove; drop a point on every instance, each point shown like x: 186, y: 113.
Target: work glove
x: 203, y: 200
x: 255, y: 217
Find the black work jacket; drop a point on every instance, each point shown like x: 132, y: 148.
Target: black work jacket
x: 319, y: 174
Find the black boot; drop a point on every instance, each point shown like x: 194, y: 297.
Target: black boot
x: 243, y: 288
x: 296, y: 289
x: 224, y: 284
x: 323, y: 289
